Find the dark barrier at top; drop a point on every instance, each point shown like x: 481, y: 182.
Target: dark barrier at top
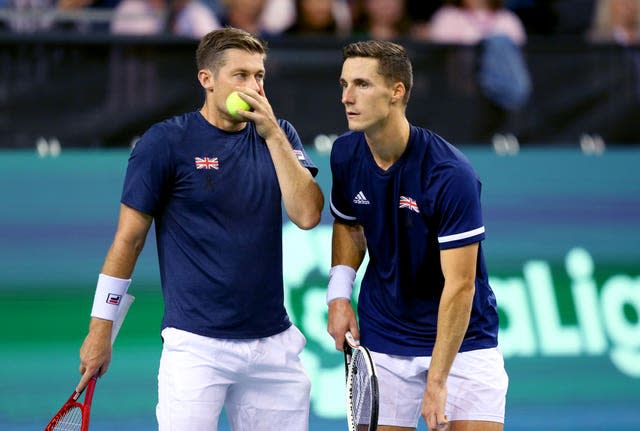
x: 91, y: 91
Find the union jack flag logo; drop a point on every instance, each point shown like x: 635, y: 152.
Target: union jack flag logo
x: 207, y: 163
x: 406, y: 202
x: 299, y: 154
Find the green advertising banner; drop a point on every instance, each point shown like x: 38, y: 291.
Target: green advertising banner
x: 562, y: 248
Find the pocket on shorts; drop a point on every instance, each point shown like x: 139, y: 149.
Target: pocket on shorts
x: 172, y: 338
x: 296, y: 339
x: 485, y: 365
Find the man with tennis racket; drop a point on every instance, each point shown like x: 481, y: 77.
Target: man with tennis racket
x: 425, y: 311
x: 214, y: 183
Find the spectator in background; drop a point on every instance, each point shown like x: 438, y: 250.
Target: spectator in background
x: 262, y: 18
x: 321, y: 17
x: 496, y: 71
x: 277, y: 16
x: 245, y: 15
x: 92, y: 20
x: 139, y: 17
x: 381, y: 19
x: 187, y: 18
x: 133, y: 74
x: 616, y: 21
x: 79, y: 4
x: 469, y: 21
x: 30, y: 15
x: 45, y: 15
x: 192, y: 18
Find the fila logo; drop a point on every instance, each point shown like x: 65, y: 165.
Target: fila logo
x: 113, y: 299
x: 299, y: 154
x: 360, y: 199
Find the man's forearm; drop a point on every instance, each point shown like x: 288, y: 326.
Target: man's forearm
x: 453, y: 321
x: 348, y: 245
x: 301, y: 195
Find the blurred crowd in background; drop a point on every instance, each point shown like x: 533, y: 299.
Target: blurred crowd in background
x: 444, y: 21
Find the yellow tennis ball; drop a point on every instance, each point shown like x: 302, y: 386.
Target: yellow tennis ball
x: 235, y: 103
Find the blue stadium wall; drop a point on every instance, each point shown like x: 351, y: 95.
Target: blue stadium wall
x: 563, y: 250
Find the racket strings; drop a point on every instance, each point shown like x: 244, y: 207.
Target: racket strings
x: 362, y: 396
x: 71, y: 420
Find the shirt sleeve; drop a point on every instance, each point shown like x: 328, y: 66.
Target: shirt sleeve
x: 148, y: 174
x: 298, y: 148
x: 340, y: 205
x: 459, y: 207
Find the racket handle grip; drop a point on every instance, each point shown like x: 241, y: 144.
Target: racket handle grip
x: 352, y: 341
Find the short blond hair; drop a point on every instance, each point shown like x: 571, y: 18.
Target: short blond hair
x: 210, y: 52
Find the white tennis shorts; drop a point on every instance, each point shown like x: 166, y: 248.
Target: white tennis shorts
x: 477, y: 387
x: 261, y: 383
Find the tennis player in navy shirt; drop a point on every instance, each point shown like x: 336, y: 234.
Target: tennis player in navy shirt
x: 425, y: 309
x: 215, y: 184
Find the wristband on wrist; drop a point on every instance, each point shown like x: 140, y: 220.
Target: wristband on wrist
x: 109, y: 293
x: 341, y: 278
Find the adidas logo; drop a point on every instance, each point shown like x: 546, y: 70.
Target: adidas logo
x: 361, y: 199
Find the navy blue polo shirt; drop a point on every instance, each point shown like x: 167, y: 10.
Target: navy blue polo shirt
x: 216, y: 203
x: 427, y: 201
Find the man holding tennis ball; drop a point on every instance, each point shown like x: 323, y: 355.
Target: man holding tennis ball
x: 235, y: 103
x: 214, y: 182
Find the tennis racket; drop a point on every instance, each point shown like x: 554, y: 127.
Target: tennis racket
x: 74, y: 415
x: 362, y: 386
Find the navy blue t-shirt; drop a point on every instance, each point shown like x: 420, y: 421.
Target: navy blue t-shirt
x: 427, y: 201
x: 216, y: 203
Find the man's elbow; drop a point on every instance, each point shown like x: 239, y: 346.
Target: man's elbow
x: 308, y: 215
x: 467, y: 288
x: 309, y: 220
x: 130, y: 242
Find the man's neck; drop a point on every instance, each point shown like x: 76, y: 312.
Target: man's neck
x: 211, y: 114
x: 388, y: 143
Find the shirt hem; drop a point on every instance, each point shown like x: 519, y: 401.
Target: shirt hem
x: 478, y: 417
x: 231, y: 335
x: 428, y: 350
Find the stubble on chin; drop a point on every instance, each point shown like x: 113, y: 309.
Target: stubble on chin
x: 355, y: 126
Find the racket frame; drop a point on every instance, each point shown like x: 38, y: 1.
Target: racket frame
x: 85, y: 406
x: 72, y: 402
x: 352, y: 349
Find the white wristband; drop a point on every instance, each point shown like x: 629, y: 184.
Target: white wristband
x: 109, y: 293
x: 341, y: 278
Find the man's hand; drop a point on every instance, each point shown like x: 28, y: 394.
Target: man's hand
x: 433, y: 402
x: 95, y: 353
x: 262, y: 114
x: 342, y: 318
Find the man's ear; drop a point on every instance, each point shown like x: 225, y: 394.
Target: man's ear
x: 398, y: 92
x: 206, y: 79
